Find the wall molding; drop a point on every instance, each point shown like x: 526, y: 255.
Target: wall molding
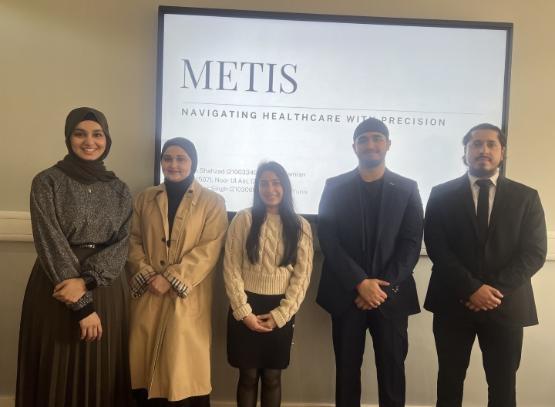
x: 16, y: 227
x: 7, y: 401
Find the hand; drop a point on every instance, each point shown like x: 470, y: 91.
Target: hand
x: 267, y: 320
x: 70, y: 291
x: 91, y: 328
x: 159, y: 285
x: 251, y: 321
x: 362, y: 305
x: 484, y: 299
x: 370, y: 291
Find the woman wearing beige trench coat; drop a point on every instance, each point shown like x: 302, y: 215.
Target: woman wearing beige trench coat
x: 177, y: 233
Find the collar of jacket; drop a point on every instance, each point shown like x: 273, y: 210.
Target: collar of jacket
x: 194, y: 190
x: 387, y: 176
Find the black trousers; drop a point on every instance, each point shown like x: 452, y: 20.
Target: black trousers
x: 501, y: 347
x: 389, y: 338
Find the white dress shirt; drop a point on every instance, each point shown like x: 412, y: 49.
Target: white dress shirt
x: 476, y: 189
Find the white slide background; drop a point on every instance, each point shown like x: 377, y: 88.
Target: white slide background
x: 429, y: 84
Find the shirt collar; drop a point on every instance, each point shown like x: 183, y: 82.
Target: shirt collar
x: 493, y: 178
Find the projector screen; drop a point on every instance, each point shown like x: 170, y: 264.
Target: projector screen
x: 248, y: 87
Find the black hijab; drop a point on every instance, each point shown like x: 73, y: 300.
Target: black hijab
x: 86, y: 171
x: 176, y: 190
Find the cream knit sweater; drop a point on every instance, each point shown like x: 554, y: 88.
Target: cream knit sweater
x: 266, y: 276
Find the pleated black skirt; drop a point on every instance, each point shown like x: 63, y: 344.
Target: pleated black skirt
x: 55, y: 367
x: 248, y: 349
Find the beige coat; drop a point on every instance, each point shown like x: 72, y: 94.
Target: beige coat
x: 170, y: 336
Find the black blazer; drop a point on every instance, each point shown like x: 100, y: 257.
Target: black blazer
x: 515, y: 249
x: 398, y: 243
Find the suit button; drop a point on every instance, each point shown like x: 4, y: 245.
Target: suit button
x: 162, y: 262
x: 163, y: 239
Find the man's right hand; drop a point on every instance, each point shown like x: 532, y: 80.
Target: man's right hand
x: 362, y: 305
x: 484, y: 298
x: 370, y: 291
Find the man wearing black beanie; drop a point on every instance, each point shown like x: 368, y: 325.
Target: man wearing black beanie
x: 370, y: 229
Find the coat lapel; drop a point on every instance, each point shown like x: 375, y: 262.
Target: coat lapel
x: 499, y: 202
x: 465, y: 196
x: 162, y: 203
x: 354, y: 192
x: 387, y: 203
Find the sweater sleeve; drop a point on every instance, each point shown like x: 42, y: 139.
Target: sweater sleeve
x: 233, y: 261
x: 300, y: 278
x: 53, y: 249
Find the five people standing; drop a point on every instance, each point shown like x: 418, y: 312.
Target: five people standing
x: 484, y: 233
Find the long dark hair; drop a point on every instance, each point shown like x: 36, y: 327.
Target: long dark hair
x: 289, y: 219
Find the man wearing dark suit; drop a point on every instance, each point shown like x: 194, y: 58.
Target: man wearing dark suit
x: 486, y: 237
x: 370, y: 231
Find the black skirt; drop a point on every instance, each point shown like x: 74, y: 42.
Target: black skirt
x: 55, y: 367
x: 248, y: 349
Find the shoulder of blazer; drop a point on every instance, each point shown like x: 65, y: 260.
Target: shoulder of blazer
x: 342, y: 179
x: 452, y: 185
x: 392, y: 178
x: 515, y: 187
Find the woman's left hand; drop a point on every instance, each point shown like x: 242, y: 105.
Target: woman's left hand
x: 267, y: 320
x: 70, y: 291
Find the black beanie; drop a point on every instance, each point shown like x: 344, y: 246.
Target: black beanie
x: 371, y: 124
x: 186, y: 145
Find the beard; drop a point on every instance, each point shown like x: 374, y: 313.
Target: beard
x: 369, y: 163
x: 482, y: 172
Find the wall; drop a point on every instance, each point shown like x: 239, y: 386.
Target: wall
x: 59, y: 54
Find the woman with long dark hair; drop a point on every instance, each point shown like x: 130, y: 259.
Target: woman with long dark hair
x: 73, y: 348
x: 267, y: 267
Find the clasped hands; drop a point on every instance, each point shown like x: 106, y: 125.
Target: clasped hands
x: 69, y: 292
x: 370, y: 293
x: 484, y: 298
x: 260, y: 323
x: 158, y: 285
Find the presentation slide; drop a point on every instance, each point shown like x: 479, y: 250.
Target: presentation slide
x: 249, y: 90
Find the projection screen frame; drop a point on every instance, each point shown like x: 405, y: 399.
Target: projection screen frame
x: 288, y: 16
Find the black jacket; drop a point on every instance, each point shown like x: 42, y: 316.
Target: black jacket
x: 515, y: 249
x: 398, y: 243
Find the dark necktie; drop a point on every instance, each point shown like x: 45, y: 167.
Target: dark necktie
x: 482, y: 212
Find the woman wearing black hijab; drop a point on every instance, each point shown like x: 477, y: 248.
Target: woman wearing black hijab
x: 176, y: 239
x: 73, y: 348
